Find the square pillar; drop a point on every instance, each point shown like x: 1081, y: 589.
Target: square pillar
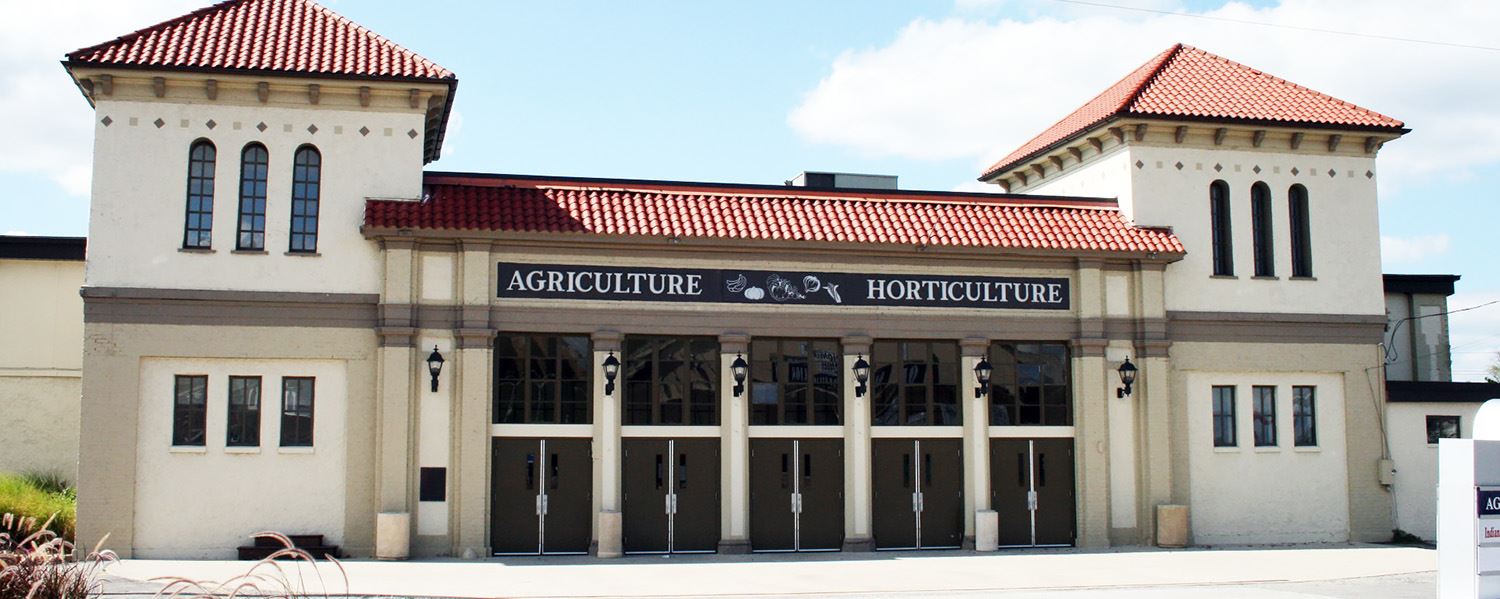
x: 608, y: 532
x: 976, y: 441
x: 472, y: 442
x: 858, y: 492
x: 734, y: 435
x: 1091, y: 392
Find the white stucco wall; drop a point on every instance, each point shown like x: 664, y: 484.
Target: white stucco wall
x: 1104, y: 176
x: 140, y: 180
x: 1256, y: 495
x: 192, y: 503
x: 1417, y: 461
x: 41, y: 325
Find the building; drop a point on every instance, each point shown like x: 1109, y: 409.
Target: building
x: 331, y: 337
x: 42, y: 323
x: 1424, y: 404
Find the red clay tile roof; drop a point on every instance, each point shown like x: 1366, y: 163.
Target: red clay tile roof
x: 1186, y: 82
x: 284, y: 36
x: 640, y: 208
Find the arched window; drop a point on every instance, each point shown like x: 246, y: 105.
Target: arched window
x: 1301, y: 231
x: 252, y: 227
x: 1218, y: 200
x: 307, y: 174
x: 198, y: 228
x: 1260, y: 222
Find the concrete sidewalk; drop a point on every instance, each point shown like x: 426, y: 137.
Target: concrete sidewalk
x: 1032, y: 573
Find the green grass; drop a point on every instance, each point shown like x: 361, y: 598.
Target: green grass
x: 40, y: 497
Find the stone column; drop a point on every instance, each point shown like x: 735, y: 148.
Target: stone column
x: 471, y: 432
x: 396, y: 364
x: 1091, y: 393
x: 734, y: 432
x: 976, y: 445
x: 858, y: 492
x: 1153, y: 398
x: 608, y: 531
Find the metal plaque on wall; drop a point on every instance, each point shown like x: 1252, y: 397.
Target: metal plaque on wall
x: 732, y: 286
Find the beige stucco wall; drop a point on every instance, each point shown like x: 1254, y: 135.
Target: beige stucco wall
x: 133, y: 488
x: 41, y: 321
x: 1249, y: 495
x: 1416, y: 460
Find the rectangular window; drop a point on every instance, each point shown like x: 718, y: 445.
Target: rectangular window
x: 307, y: 174
x: 1305, y: 416
x: 198, y: 229
x: 1442, y: 427
x: 252, y: 226
x: 189, y: 410
x: 1265, y: 416
x: 914, y: 383
x: 1224, y: 425
x: 244, y: 412
x: 1030, y: 385
x: 795, y: 381
x: 297, y: 411
x: 542, y: 379
x: 671, y: 380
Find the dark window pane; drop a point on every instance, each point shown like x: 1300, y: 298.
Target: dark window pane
x: 188, y: 410
x: 243, y: 428
x: 1265, y: 416
x: 1223, y: 242
x: 198, y: 231
x: 510, y: 402
x: 252, y: 227
x: 544, y: 379
x: 297, y: 397
x: 305, y: 177
x: 1224, y: 417
x: 783, y: 373
x: 1442, y: 427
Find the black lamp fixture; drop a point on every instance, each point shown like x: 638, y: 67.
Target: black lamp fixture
x: 861, y: 376
x: 435, y: 366
x: 611, y: 370
x: 1127, y: 376
x: 741, y: 370
x: 982, y: 372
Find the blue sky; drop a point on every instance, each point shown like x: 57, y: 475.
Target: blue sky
x: 930, y: 91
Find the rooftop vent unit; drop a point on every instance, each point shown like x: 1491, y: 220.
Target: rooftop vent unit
x: 825, y: 180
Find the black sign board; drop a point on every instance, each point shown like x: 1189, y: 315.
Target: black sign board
x: 555, y: 281
x: 1488, y: 502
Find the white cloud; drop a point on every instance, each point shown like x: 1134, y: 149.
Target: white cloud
x: 49, y: 129
x: 1410, y: 250
x: 1474, y: 334
x: 16, y: 232
x: 977, y: 88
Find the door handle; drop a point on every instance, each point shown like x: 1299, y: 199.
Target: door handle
x: 671, y: 501
x: 1031, y: 500
x: 539, y: 508
x: 916, y: 502
x: 544, y: 505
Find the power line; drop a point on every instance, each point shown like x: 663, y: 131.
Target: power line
x: 1280, y: 26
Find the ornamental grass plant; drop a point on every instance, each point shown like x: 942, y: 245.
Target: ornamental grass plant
x: 289, y: 573
x: 43, y: 498
x: 35, y: 563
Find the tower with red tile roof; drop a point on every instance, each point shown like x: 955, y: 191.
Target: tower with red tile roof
x: 1271, y: 188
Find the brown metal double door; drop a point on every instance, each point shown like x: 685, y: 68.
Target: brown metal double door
x: 1032, y: 485
x: 919, y: 497
x: 541, y: 498
x: 796, y: 494
x: 671, y: 502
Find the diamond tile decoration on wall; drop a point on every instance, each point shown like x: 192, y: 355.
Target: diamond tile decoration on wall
x: 107, y: 121
x: 1295, y: 171
x: 312, y: 129
x: 210, y: 124
x: 1139, y: 164
x: 1256, y: 169
x: 1218, y: 168
x: 412, y: 133
x: 1369, y: 174
x: 364, y: 131
x: 159, y: 123
x: 261, y: 126
x: 1178, y: 165
x: 1331, y: 173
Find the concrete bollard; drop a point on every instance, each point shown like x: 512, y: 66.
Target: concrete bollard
x: 610, y: 534
x: 986, y: 530
x: 1171, y: 526
x: 393, y: 535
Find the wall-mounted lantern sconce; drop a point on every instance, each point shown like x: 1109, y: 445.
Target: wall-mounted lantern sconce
x: 861, y: 376
x: 435, y: 366
x: 741, y: 370
x: 611, y: 370
x: 982, y: 372
x: 1127, y: 376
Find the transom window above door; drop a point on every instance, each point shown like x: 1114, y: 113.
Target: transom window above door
x: 671, y: 380
x: 796, y: 382
x: 914, y: 383
x: 542, y: 379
